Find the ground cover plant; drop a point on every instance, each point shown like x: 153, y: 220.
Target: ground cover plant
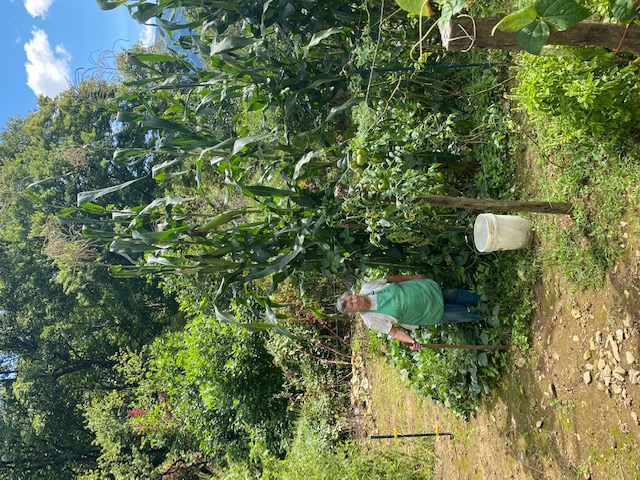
x: 590, y: 154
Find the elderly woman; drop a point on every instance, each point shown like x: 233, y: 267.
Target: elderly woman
x: 408, y: 302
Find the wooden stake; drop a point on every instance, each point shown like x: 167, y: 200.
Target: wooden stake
x: 496, y: 205
x: 464, y: 346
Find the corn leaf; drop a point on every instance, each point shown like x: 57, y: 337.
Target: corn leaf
x: 335, y: 111
x: 319, y: 36
x: 277, y: 266
x: 90, y: 196
x: 110, y: 4
x: 264, y: 191
x: 230, y: 44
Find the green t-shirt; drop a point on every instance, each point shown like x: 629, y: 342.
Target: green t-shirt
x: 414, y: 302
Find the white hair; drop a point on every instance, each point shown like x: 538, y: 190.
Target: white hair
x: 341, y: 303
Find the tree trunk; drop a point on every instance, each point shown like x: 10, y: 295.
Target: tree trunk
x: 464, y: 33
x: 500, y: 205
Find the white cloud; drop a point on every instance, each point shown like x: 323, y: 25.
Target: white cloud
x: 148, y: 36
x: 47, y: 70
x: 37, y: 8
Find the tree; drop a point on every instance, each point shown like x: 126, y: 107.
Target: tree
x: 62, y: 319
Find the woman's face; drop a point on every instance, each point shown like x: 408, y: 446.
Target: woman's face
x: 355, y: 303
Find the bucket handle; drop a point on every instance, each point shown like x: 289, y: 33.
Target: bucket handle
x: 470, y: 244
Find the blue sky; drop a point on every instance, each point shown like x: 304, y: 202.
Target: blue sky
x: 49, y: 44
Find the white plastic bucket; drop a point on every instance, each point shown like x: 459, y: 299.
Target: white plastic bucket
x: 501, y: 232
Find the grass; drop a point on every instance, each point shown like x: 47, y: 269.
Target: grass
x: 600, y: 185
x: 586, y: 153
x: 396, y: 408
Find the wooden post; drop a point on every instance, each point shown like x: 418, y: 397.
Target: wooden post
x: 499, y: 205
x: 464, y: 33
x: 464, y: 346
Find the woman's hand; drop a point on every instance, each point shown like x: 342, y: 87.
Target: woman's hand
x: 420, y: 276
x: 415, y: 346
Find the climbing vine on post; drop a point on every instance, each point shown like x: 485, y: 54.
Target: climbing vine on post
x: 533, y: 24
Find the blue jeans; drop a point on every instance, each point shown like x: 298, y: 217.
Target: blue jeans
x: 456, y: 306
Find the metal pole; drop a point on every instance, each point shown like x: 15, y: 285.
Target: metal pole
x: 364, y: 71
x: 408, y: 435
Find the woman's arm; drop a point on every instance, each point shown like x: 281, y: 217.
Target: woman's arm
x: 404, y: 337
x: 404, y: 278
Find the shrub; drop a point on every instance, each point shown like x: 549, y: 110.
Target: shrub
x: 221, y: 387
x: 312, y: 455
x: 579, y: 94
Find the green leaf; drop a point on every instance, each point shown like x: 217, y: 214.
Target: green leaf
x: 230, y: 43
x: 110, y: 4
x: 93, y: 233
x: 532, y: 37
x: 252, y: 326
x: 269, y: 315
x: 65, y: 212
x: 449, y: 9
x: 483, y: 360
x: 156, y: 169
x: 220, y: 219
x: 33, y: 196
x: 335, y: 111
x: 263, y: 191
x: 317, y: 312
x: 168, y: 201
x: 561, y: 14
x: 516, y: 21
x: 93, y: 208
x: 146, y: 11
x: 167, y: 261
x: 417, y: 7
x: 163, y: 124
x: 120, y: 271
x: 127, y: 246
x: 135, y: 61
x: 240, y: 143
x: 128, y: 117
x: 77, y: 220
x: 276, y: 266
x: 167, y: 175
x: 121, y: 153
x: 90, y: 196
x: 213, y: 261
x: 304, y: 160
x: 151, y: 238
x: 623, y: 10
x: 319, y: 36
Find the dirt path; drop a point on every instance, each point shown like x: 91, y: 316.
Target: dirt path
x: 568, y: 411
